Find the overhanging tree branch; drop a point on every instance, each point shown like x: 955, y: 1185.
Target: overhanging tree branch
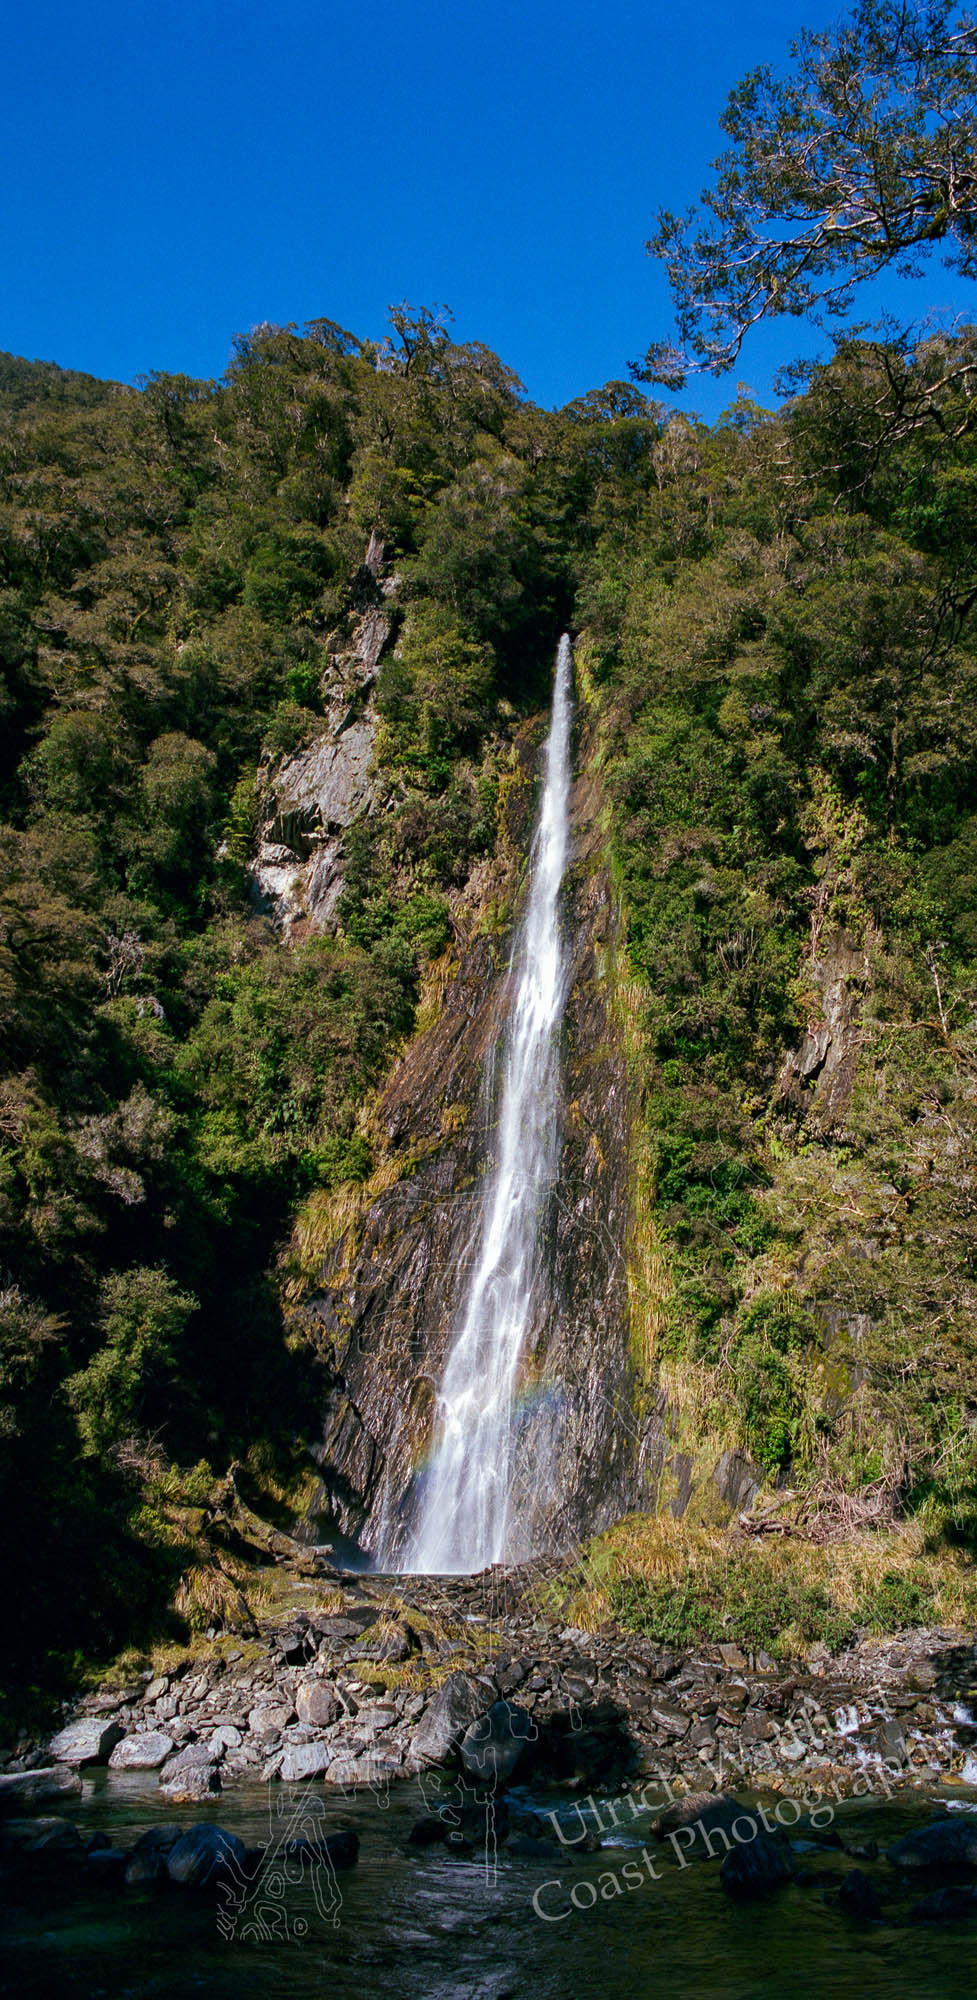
x: 862, y: 159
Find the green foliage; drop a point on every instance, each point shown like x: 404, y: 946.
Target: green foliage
x: 241, y: 824
x: 143, y: 1321
x: 435, y: 695
x: 780, y: 670
x: 769, y: 1359
x: 740, y: 1603
x: 285, y: 1048
x: 893, y: 1602
x: 840, y: 169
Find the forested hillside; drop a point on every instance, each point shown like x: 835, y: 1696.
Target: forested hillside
x: 776, y: 642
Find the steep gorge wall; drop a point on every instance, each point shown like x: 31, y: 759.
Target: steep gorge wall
x: 386, y: 1274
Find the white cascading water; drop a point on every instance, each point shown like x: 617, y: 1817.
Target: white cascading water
x: 466, y: 1512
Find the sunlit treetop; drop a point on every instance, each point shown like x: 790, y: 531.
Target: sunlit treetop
x: 860, y: 160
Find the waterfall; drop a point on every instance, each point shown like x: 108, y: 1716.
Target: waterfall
x: 468, y: 1516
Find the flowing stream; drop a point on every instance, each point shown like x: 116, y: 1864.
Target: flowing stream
x: 469, y: 1516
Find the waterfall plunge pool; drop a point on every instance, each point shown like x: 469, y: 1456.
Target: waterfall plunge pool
x: 429, y: 1924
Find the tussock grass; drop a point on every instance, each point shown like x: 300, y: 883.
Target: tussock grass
x: 211, y: 1594
x: 434, y: 984
x: 683, y: 1583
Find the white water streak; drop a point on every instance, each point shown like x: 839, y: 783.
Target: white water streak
x: 466, y: 1513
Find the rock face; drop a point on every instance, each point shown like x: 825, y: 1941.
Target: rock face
x: 313, y: 796
x: 383, y: 1305
x: 818, y: 1076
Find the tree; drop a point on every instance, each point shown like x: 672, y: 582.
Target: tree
x: 143, y: 1320
x: 861, y: 160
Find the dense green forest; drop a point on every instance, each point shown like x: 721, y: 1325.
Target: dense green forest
x: 775, y: 618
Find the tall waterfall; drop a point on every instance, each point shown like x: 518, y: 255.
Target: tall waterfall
x: 468, y: 1517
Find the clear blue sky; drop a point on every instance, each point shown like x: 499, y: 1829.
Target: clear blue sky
x: 181, y: 170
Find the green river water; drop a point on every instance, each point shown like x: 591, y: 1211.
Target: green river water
x: 428, y: 1924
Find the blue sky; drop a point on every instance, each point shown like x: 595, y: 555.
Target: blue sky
x: 178, y: 172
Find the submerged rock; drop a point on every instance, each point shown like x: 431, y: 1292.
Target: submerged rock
x: 757, y: 1867
x: 338, y: 1850
x: 36, y: 1788
x: 859, y: 1897
x: 106, y: 1866
x: 947, y: 1846
x: 47, y: 1837
x: 945, y: 1906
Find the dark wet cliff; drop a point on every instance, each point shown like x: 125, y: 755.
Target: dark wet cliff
x: 384, y: 1274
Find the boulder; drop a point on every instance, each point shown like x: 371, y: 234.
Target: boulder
x: 159, y: 1839
x: 372, y: 1768
x: 316, y: 1703
x: 690, y: 1822
x: 146, y: 1864
x: 427, y: 1831
x: 145, y: 1869
x: 374, y: 1721
x: 395, y: 1643
x: 88, y: 1741
x: 204, y: 1856
x: 672, y: 1721
x: 493, y: 1745
x: 195, y: 1756
x: 305, y: 1760
x: 268, y: 1719
x: 945, y: 1847
x: 338, y: 1627
x: 225, y: 1737
x: 195, y: 1786
x: 143, y: 1752
x: 450, y: 1712
x: 757, y: 1867
x: 192, y: 1782
x: 38, y: 1788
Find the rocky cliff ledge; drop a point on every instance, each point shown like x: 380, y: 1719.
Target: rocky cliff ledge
x: 366, y: 1681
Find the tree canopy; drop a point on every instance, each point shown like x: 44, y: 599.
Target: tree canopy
x: 861, y: 159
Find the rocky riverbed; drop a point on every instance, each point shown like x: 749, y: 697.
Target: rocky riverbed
x: 367, y: 1681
